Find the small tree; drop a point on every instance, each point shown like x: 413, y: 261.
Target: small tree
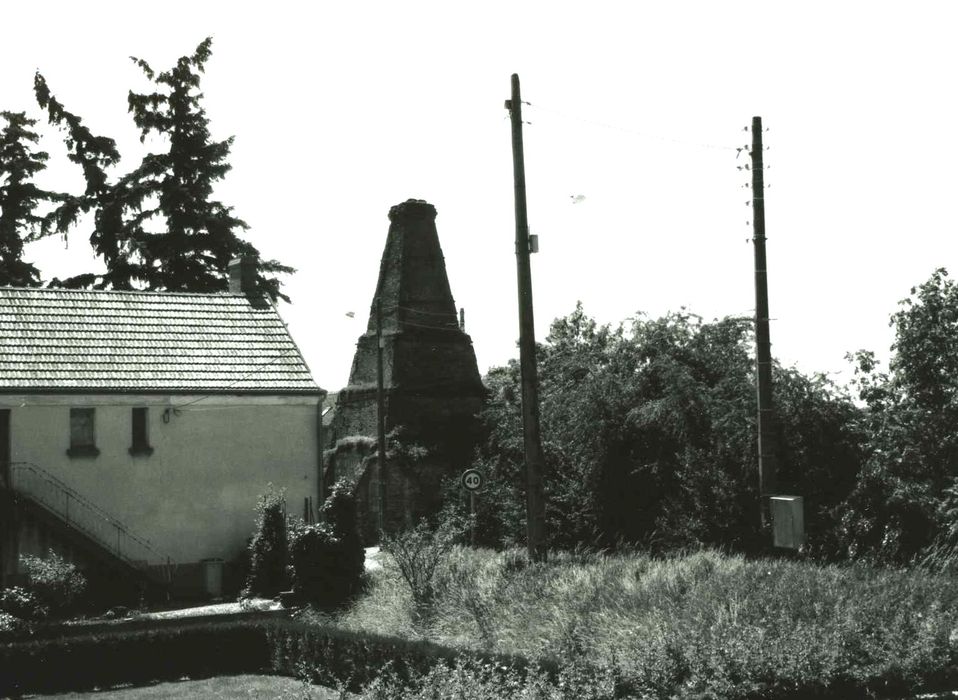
x: 268, y: 550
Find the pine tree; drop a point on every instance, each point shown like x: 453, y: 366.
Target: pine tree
x: 158, y: 227
x: 19, y: 198
x: 114, y: 233
x: 200, y: 234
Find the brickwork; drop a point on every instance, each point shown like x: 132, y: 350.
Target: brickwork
x: 431, y: 380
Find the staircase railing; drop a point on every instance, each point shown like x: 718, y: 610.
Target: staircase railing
x: 78, y: 512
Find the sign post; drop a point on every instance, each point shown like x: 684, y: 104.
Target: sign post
x: 471, y: 480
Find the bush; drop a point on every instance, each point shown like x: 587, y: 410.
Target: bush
x: 56, y: 583
x: 418, y: 553
x: 327, y: 559
x: 268, y: 551
x: 120, y: 656
x: 468, y: 679
x: 339, y: 511
x: 22, y: 604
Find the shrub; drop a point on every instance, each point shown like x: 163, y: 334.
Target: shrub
x: 22, y: 604
x: 267, y: 572
x: 327, y: 559
x: 79, y: 661
x: 56, y: 583
x: 339, y: 511
x: 418, y: 553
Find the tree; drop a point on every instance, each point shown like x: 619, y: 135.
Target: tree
x: 199, y: 238
x: 19, y: 198
x: 158, y: 227
x: 649, y: 436
x: 114, y: 235
x: 901, y: 503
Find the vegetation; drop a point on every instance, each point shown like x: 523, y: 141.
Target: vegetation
x: 705, y: 624
x: 648, y: 433
x: 157, y: 226
x: 268, y: 548
x: 19, y: 198
x: 903, y: 504
x: 418, y: 554
x: 327, y: 558
x: 51, y: 590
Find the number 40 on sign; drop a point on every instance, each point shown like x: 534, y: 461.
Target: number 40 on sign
x: 472, y: 480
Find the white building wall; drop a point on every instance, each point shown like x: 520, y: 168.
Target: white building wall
x: 195, y: 496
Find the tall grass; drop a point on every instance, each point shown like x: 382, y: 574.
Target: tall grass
x: 697, y: 625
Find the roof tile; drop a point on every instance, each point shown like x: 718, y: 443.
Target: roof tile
x: 65, y: 339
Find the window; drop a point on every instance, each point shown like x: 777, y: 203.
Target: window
x: 140, y: 438
x: 82, y: 433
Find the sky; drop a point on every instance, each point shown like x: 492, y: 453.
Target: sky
x: 342, y: 110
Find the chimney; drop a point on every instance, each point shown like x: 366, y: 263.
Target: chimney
x: 242, y: 272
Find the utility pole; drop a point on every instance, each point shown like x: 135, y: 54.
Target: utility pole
x: 535, y: 499
x: 767, y: 432
x: 381, y: 417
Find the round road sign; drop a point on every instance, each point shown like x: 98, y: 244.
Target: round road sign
x: 472, y: 480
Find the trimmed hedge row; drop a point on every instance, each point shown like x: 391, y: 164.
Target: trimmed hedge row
x: 197, y: 650
x: 335, y: 655
x: 280, y: 646
x: 102, y: 660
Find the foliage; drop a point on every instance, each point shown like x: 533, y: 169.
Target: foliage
x: 51, y: 590
x: 705, y: 624
x: 19, y: 198
x: 339, y: 511
x: 327, y: 558
x: 22, y: 604
x: 268, y: 548
x: 158, y: 226
x: 904, y: 501
x: 649, y: 437
x: 417, y: 553
x: 471, y: 680
x: 55, y: 582
x: 118, y: 655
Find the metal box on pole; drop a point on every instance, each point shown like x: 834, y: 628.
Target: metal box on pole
x: 788, y: 521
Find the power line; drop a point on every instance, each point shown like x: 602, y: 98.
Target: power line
x: 634, y: 132
x: 254, y: 370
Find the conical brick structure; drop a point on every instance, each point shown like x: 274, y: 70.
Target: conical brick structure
x: 432, y: 386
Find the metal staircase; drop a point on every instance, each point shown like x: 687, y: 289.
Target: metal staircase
x: 34, y: 486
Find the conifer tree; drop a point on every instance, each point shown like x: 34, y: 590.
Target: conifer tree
x: 158, y: 227
x: 114, y: 234
x: 19, y: 197
x: 200, y: 234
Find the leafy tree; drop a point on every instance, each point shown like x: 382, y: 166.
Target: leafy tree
x: 158, y: 227
x: 19, y: 198
x: 649, y: 436
x: 903, y: 501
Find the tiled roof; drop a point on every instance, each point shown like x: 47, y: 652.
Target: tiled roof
x: 71, y: 340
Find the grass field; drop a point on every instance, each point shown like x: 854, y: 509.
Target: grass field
x: 699, y: 625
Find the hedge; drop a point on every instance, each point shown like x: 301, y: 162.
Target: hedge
x: 197, y: 650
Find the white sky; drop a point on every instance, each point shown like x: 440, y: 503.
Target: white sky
x: 341, y: 110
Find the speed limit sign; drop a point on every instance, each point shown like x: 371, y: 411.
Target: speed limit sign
x: 472, y: 480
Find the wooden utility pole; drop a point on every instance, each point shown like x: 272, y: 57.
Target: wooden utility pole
x: 535, y: 499
x: 381, y: 416
x: 767, y: 431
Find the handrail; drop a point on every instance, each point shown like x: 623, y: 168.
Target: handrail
x: 56, y: 497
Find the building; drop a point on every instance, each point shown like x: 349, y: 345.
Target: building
x: 138, y: 429
x: 432, y: 391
